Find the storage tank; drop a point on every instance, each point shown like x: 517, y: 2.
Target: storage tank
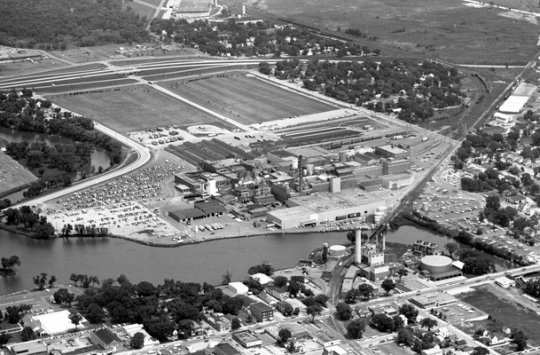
x: 295, y: 164
x: 436, y: 264
x: 337, y: 251
x: 310, y: 168
x: 425, y: 206
x: 211, y: 188
x: 342, y: 157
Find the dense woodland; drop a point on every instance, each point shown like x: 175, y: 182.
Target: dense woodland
x: 419, y: 88
x: 58, y: 24
x: 213, y: 37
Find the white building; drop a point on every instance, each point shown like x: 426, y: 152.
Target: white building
x: 238, y: 288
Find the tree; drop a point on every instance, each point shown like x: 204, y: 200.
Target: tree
x: 383, y: 322
x: 480, y: 350
x: 235, y: 323
x: 4, y: 338
x: 343, y: 311
x: 75, y: 319
x: 519, y: 338
x: 356, y: 328
x: 451, y: 247
x: 286, y: 308
x: 366, y: 290
x: 409, y: 312
x: 388, y: 285
x: 52, y: 280
x: 137, y: 342
x: 428, y: 323
x: 8, y: 263
x: 28, y: 334
x: 405, y: 336
x: 280, y: 281
x: 264, y: 268
x: 226, y: 278
x: 41, y: 280
x: 402, y: 272
x: 95, y: 314
x: 313, y: 311
x: 283, y: 336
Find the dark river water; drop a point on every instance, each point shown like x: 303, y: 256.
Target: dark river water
x: 205, y: 262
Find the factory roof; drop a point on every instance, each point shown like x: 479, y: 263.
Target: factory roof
x: 292, y: 212
x: 308, y: 152
x: 525, y: 89
x: 393, y: 149
x: 514, y: 104
x: 332, y: 201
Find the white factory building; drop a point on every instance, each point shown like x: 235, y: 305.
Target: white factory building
x: 325, y: 207
x: 519, y: 99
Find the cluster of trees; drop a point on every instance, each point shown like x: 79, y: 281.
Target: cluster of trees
x: 30, y: 220
x: 231, y: 38
x: 24, y: 113
x: 46, y: 182
x: 421, y: 87
x: 9, y: 263
x: 83, y: 230
x: 85, y: 280
x: 68, y: 23
x: 364, y: 290
x: 532, y: 287
x: 42, y: 279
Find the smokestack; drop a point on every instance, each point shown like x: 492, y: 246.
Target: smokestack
x: 300, y: 176
x: 358, y: 238
x: 377, y: 239
x: 384, y: 241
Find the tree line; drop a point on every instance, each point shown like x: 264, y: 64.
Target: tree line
x: 41, y: 228
x: 420, y: 88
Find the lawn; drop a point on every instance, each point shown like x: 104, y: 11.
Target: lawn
x: 134, y: 108
x: 505, y: 312
x: 13, y: 174
x: 246, y: 99
x: 23, y: 68
x: 445, y: 29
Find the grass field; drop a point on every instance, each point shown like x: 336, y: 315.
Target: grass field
x: 134, y: 108
x: 505, y: 312
x: 23, y: 68
x: 246, y: 99
x: 526, y: 5
x: 444, y: 29
x: 13, y: 174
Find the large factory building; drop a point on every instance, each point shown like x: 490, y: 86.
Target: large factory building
x: 322, y: 207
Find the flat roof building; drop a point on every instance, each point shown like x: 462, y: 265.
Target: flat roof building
x: 392, y: 151
x: 247, y: 339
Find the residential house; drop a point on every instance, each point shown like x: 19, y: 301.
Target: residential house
x: 278, y: 292
x: 261, y: 312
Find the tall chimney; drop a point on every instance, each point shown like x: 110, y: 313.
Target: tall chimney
x: 358, y: 238
x: 384, y: 241
x: 300, y: 176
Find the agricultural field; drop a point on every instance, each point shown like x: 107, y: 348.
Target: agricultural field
x: 444, y: 29
x: 13, y: 174
x: 246, y: 99
x: 505, y: 311
x: 133, y: 108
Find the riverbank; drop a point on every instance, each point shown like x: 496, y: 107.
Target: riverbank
x: 21, y: 231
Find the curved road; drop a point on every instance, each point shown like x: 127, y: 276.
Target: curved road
x: 143, y: 157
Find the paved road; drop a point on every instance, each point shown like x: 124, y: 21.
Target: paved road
x: 143, y: 156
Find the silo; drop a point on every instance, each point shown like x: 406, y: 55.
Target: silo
x: 310, y: 169
x: 425, y: 206
x: 358, y: 239
x: 243, y: 9
x: 295, y: 164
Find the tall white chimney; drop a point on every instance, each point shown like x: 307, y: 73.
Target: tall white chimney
x: 384, y: 241
x: 358, y: 238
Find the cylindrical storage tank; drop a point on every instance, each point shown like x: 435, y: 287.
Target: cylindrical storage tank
x: 310, y: 168
x: 295, y: 164
x: 425, y: 206
x: 305, y: 172
x: 436, y: 264
x: 337, y: 251
x: 212, y: 188
x: 342, y: 157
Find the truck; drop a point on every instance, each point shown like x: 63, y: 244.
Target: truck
x: 424, y: 139
x: 397, y: 137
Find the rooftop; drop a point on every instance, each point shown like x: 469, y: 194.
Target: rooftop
x: 308, y: 152
x: 393, y: 149
x: 325, y: 201
x: 525, y: 89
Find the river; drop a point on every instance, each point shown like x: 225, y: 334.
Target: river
x: 205, y: 262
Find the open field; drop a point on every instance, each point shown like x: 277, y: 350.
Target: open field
x: 505, y: 312
x: 525, y: 5
x: 444, y: 29
x: 246, y: 99
x: 133, y: 108
x: 23, y: 68
x: 13, y: 174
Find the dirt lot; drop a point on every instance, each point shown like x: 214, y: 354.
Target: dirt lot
x: 246, y: 99
x: 507, y: 311
x: 445, y: 29
x: 133, y: 108
x: 13, y: 174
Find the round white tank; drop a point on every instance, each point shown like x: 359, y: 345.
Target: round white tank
x: 337, y: 251
x: 211, y: 188
x: 295, y: 164
x: 310, y: 168
x: 425, y: 206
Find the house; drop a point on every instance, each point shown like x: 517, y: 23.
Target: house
x: 261, y: 312
x: 238, y: 288
x: 325, y: 339
x: 516, y: 199
x: 433, y: 351
x: 29, y: 347
x: 105, y: 338
x: 218, y: 321
x: 263, y: 279
x: 246, y: 302
x: 278, y: 292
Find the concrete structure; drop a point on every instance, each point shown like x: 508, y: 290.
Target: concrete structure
x: 263, y: 279
x: 433, y: 300
x: 426, y: 248
x: 358, y: 249
x: 247, y: 339
x: 391, y: 151
x: 395, y: 166
x: 505, y: 282
x: 238, y: 288
x: 439, y: 267
x: 56, y: 322
x: 105, y: 339
x: 218, y: 321
x: 514, y: 104
x: 322, y: 207
x: 29, y: 347
x: 133, y: 329
x: 261, y: 312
